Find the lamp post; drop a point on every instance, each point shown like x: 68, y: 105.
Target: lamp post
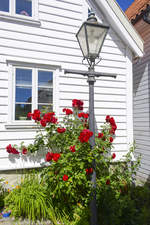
x: 91, y: 36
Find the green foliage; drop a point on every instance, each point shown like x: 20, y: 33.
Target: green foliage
x: 3, y: 192
x: 29, y: 199
x: 63, y: 192
x: 131, y: 207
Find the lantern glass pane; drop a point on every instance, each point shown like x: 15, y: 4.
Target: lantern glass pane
x: 96, y: 35
x: 82, y: 41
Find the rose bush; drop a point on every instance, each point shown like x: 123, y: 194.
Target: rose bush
x: 69, y: 157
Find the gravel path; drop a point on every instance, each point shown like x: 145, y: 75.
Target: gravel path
x: 10, y: 221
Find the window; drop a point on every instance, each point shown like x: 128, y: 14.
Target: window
x: 33, y: 90
x: 24, y: 7
x: 4, y: 5
x: 19, y: 8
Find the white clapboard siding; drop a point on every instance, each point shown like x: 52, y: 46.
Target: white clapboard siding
x: 49, y: 41
x: 72, y: 2
x: 54, y: 49
x: 61, y: 5
x: 3, y: 92
x: 141, y: 107
x: 3, y: 119
x: 3, y: 100
x: 40, y: 54
x: 77, y: 90
x: 104, y: 83
x: 60, y: 12
x: 54, y: 33
x: 97, y: 97
x: 118, y: 119
x: 4, y: 83
x: 54, y: 43
x: 58, y: 19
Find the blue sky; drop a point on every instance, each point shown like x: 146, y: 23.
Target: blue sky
x: 124, y: 4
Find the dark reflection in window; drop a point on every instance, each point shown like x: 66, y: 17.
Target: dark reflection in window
x: 47, y: 108
x: 21, y: 111
x: 4, y: 5
x: 45, y: 95
x: 24, y: 7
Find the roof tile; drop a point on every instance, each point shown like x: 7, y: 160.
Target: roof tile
x: 136, y: 7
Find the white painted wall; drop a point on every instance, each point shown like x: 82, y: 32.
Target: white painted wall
x: 53, y: 43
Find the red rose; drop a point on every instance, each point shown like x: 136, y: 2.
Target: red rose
x: 112, y: 121
x: 56, y: 156
x: 14, y: 151
x: 72, y: 148
x: 24, y: 151
x: 108, y: 182
x: 107, y: 118
x: 112, y: 131
x: 84, y: 115
x: 49, y: 117
x: 89, y: 170
x: 9, y: 148
x: 36, y: 115
x: 114, y: 127
x: 85, y: 135
x: 78, y: 104
x: 100, y: 135
x: 65, y: 177
x: 53, y: 120
x: 111, y: 139
x: 61, y: 130
x: 68, y: 111
x: 29, y: 115
x: 80, y: 114
x: 113, y: 156
x: 43, y: 123
x: 49, y: 156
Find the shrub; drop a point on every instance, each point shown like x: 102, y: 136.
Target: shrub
x: 69, y: 167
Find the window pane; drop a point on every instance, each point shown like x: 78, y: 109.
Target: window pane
x: 49, y: 108
x: 21, y: 111
x: 4, y: 5
x: 45, y: 78
x: 23, y: 94
x: 45, y: 95
x: 24, y: 7
x: 23, y: 76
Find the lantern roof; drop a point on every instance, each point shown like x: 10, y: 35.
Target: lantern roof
x: 120, y: 24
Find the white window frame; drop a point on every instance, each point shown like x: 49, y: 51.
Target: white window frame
x: 12, y: 123
x: 11, y: 15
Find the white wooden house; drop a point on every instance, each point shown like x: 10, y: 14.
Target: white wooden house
x: 138, y: 13
x: 37, y: 42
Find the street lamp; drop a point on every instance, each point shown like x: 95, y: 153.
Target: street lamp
x: 91, y: 36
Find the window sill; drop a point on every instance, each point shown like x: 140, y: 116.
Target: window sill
x: 21, y: 125
x: 19, y: 19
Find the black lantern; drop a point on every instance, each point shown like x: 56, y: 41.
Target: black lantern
x: 91, y: 36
